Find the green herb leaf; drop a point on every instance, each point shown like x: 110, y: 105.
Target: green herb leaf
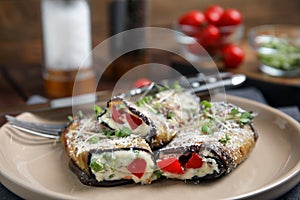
x: 139, y: 102
x: 234, y: 111
x: 224, y: 140
x: 97, y: 110
x: 96, y: 166
x: 145, y: 99
x: 170, y: 115
x: 206, y: 129
x: 111, y: 176
x: 124, y: 132
x: 245, y: 117
x: 70, y: 118
x: 94, y: 140
x: 205, y: 104
x: 79, y: 115
x: 107, y: 132
x: 177, y: 86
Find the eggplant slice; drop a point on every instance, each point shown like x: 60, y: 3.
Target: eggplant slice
x: 191, y: 140
x: 101, y: 161
x: 216, y: 144
x: 156, y: 118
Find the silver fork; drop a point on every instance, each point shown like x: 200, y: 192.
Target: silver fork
x: 51, y: 131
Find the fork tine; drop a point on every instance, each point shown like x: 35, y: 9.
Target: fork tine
x: 44, y: 130
x: 36, y: 125
x: 36, y: 133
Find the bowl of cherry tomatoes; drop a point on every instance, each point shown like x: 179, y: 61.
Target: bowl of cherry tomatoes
x: 214, y: 32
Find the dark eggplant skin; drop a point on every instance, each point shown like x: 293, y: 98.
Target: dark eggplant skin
x: 90, y: 180
x: 151, y: 137
x: 222, y: 158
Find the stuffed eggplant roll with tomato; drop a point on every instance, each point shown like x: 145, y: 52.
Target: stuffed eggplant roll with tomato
x: 221, y: 138
x: 99, y: 161
x: 156, y: 117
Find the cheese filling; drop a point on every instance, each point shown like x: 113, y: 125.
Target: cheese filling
x: 115, y: 165
x: 209, y: 166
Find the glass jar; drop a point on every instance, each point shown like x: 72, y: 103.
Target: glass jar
x: 67, y: 43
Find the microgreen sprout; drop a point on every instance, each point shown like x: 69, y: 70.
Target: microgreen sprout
x: 97, y: 110
x: 96, y: 166
x: 124, y: 132
x: 234, y: 111
x: 242, y: 117
x: 206, y: 105
x: 245, y: 117
x: 145, y: 99
x: 224, y: 140
x: 176, y: 86
x: 79, y: 115
x: 170, y: 115
x: 206, y: 129
x: 94, y: 140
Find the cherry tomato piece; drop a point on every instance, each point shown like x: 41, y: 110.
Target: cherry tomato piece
x: 213, y: 14
x: 171, y: 165
x: 137, y: 167
x: 193, y: 18
x: 233, y: 56
x: 133, y: 121
x: 231, y: 17
x: 194, y: 162
x: 142, y: 82
x: 116, y: 115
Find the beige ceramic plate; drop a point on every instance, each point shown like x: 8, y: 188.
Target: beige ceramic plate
x: 41, y: 171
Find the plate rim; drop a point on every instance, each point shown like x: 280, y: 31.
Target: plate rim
x: 9, y: 180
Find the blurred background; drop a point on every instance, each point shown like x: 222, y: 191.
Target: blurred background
x: 21, y: 38
x: 21, y: 32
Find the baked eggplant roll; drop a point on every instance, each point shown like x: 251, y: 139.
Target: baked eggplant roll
x: 155, y: 117
x: 220, y: 139
x: 100, y: 161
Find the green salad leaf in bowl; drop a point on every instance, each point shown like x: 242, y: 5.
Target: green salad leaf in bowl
x: 277, y: 48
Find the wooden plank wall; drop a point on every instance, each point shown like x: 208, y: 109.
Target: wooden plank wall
x: 20, y: 22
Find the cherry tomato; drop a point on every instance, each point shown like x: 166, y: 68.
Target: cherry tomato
x: 133, y: 121
x: 194, y: 162
x: 116, y: 115
x: 142, y: 82
x: 171, y: 165
x: 231, y: 17
x: 193, y: 18
x: 137, y: 167
x: 209, y: 36
x: 233, y: 56
x: 213, y: 14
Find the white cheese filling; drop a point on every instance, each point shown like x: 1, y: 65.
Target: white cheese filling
x: 142, y: 130
x: 209, y: 166
x: 114, y: 166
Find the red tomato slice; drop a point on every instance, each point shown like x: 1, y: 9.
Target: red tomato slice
x: 137, y: 167
x: 142, y: 82
x: 116, y: 115
x: 171, y: 165
x: 194, y: 162
x: 133, y: 121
